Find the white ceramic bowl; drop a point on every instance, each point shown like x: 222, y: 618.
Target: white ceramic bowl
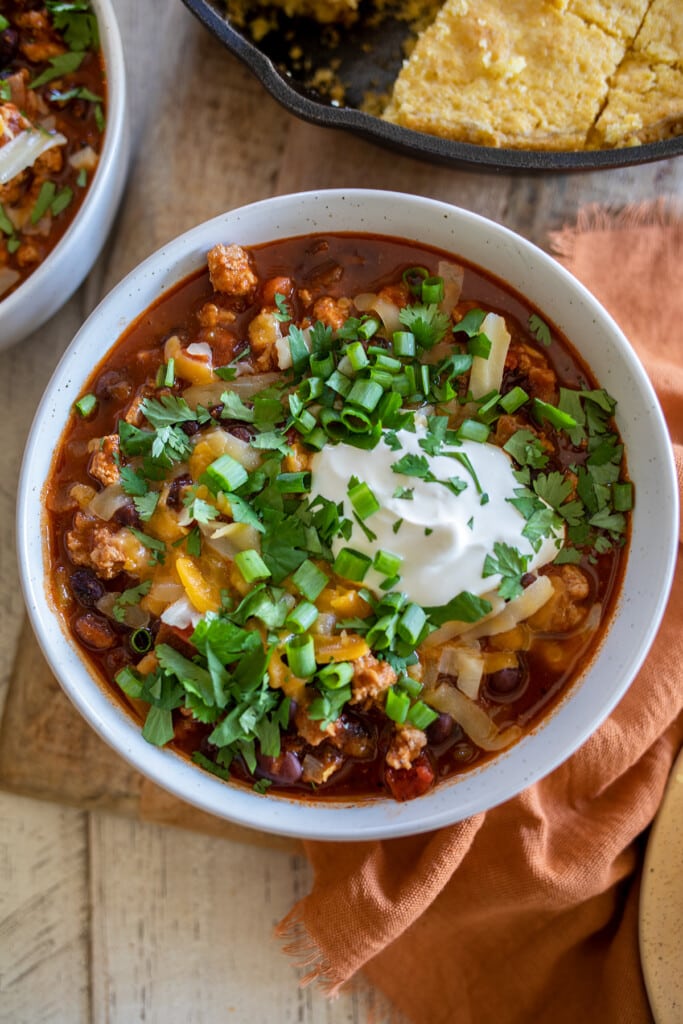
x: 655, y: 519
x: 58, y: 276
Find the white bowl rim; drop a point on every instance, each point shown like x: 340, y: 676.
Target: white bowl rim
x: 115, y: 74
x: 453, y: 800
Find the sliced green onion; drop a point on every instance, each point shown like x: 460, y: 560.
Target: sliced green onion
x: 410, y: 375
x: 293, y: 483
x: 556, y: 417
x: 386, y: 362
x: 424, y: 378
x: 479, y: 345
x: 389, y: 405
x: 357, y: 355
x: 368, y: 328
x: 404, y: 343
x: 44, y: 201
x: 414, y: 277
x: 82, y: 179
x: 141, y: 641
x: 340, y: 383
x: 300, y: 652
x: 251, y: 565
x: 226, y: 473
x: 301, y: 618
x: 389, y: 582
x: 622, y: 497
x: 310, y: 388
x: 363, y: 500
x: 352, y: 565
x: 397, y: 705
x: 366, y: 394
x: 401, y: 385
x: 61, y: 201
x: 411, y: 623
x: 432, y: 289
x: 305, y: 422
x: 336, y: 675
x: 316, y: 438
x: 85, y: 405
x: 420, y: 715
x: 356, y: 420
x: 333, y: 425
x: 322, y: 366
x: 309, y: 580
x: 410, y: 685
x: 472, y: 430
x: 514, y: 399
x: 169, y: 376
x: 387, y: 563
x: 381, y: 635
x: 382, y: 377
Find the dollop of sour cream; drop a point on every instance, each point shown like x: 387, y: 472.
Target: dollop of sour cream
x: 443, y: 537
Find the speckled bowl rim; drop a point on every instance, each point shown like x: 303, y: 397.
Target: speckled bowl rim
x: 655, y: 520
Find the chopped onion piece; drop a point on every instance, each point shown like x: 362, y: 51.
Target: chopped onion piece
x: 228, y: 539
x: 24, y: 149
x: 453, y: 277
x: 200, y: 349
x: 85, y: 159
x: 520, y: 608
x: 181, y: 614
x: 8, y: 278
x: 481, y: 729
x: 467, y: 665
x: 387, y: 311
x: 487, y: 374
x: 107, y: 501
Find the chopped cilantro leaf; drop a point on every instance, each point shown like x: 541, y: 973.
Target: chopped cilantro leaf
x: 540, y: 329
x: 407, y: 494
x: 414, y: 465
x: 130, y: 596
x: 464, y: 607
x: 156, y: 547
x: 168, y: 411
x: 63, y: 64
x: 509, y: 563
x: 145, y: 504
x: 526, y: 449
x: 427, y: 323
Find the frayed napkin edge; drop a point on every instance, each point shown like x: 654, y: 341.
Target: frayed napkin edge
x: 666, y: 211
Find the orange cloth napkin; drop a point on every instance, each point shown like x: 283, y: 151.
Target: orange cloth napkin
x: 529, y: 912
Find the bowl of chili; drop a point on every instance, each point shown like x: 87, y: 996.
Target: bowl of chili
x: 63, y: 152
x: 356, y: 531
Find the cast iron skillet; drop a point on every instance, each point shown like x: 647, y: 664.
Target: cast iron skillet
x: 369, y: 59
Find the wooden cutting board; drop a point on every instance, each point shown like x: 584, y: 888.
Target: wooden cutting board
x: 48, y: 751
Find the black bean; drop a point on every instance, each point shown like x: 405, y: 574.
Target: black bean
x: 237, y: 429
x: 189, y: 427
x: 528, y: 578
x: 113, y: 384
x: 216, y: 410
x: 127, y: 515
x: 174, y: 498
x: 440, y: 729
x: 86, y: 587
x: 504, y: 682
x: 285, y: 768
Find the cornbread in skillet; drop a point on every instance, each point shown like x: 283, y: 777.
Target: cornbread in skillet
x: 660, y: 39
x: 621, y: 18
x: 644, y: 105
x: 519, y: 74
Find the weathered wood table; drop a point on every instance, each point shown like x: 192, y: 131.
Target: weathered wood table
x: 102, y: 917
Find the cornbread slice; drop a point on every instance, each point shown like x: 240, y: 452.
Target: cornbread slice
x: 522, y: 74
x: 645, y: 103
x: 621, y: 18
x: 661, y: 37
